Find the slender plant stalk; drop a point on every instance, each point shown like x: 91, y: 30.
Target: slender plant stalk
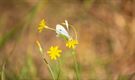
x: 76, y: 64
x: 49, y: 28
x: 2, y: 72
x: 48, y: 65
x: 50, y: 69
x: 59, y: 71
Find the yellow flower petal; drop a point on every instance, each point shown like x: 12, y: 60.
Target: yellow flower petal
x: 71, y: 43
x: 54, y: 52
x: 42, y: 25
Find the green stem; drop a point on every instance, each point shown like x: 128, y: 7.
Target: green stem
x: 76, y: 64
x: 59, y: 71
x: 2, y: 72
x: 49, y: 67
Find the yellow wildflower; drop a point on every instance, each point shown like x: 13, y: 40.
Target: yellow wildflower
x: 54, y: 52
x: 42, y: 25
x: 71, y: 43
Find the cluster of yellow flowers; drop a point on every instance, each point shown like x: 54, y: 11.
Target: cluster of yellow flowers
x: 54, y: 51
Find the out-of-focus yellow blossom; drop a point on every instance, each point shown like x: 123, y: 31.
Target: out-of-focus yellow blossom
x: 54, y: 52
x: 42, y: 25
x: 39, y: 46
x: 71, y: 43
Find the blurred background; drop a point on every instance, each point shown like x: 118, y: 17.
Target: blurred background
x: 106, y: 31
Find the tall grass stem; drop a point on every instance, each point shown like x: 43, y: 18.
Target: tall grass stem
x: 76, y: 64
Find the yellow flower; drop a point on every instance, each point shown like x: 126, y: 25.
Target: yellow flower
x: 54, y: 52
x: 42, y: 25
x: 71, y: 43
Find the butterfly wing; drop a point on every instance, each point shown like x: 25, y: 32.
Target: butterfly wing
x: 60, y: 30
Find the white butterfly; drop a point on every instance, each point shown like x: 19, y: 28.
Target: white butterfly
x: 62, y: 32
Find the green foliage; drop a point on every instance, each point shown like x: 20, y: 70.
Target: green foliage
x: 2, y: 72
x: 9, y: 36
x: 28, y: 71
x: 123, y: 77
